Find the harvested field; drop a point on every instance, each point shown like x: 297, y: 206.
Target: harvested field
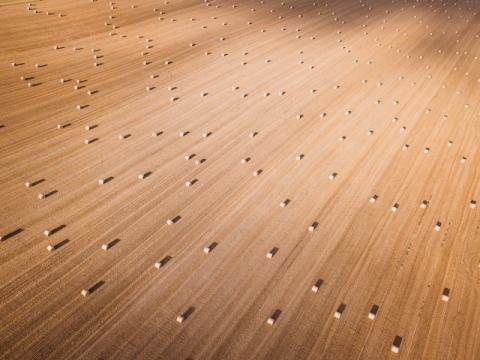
x: 224, y: 179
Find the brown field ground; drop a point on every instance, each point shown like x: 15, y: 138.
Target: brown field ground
x: 351, y: 113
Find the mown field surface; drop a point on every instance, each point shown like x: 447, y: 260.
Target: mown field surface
x: 252, y: 150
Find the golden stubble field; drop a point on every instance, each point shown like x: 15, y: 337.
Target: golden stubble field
x: 239, y: 179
